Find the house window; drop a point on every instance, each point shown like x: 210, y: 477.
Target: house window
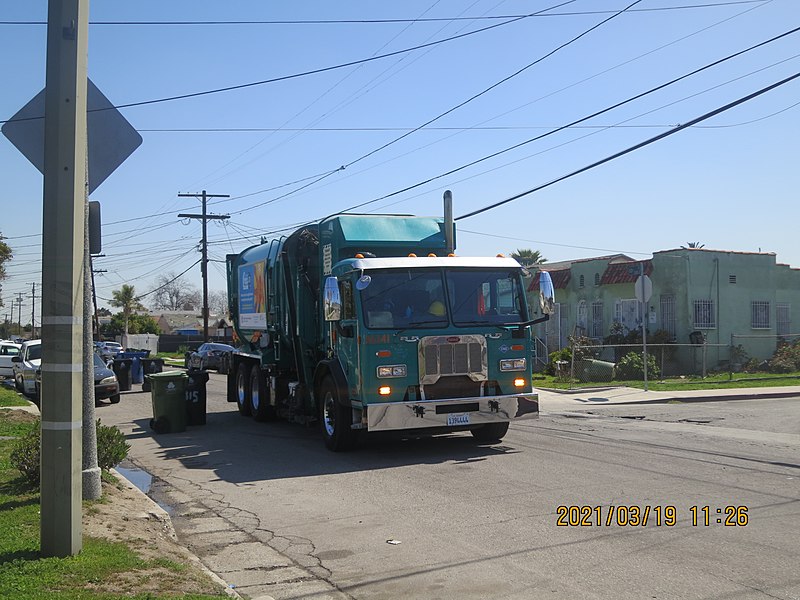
x: 581, y: 282
x: 668, y: 320
x: 626, y: 312
x: 783, y: 318
x: 597, y: 278
x: 759, y: 314
x: 581, y: 321
x: 704, y: 314
x: 597, y: 319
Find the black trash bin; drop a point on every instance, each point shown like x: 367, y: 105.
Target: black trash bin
x: 150, y: 366
x: 122, y: 369
x: 196, y: 397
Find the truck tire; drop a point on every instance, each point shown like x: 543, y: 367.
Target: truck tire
x: 335, y: 418
x: 243, y: 389
x: 492, y: 432
x: 260, y: 407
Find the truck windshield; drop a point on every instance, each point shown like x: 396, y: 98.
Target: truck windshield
x: 412, y: 298
x: 480, y: 297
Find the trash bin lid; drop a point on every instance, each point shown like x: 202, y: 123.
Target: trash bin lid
x: 168, y: 375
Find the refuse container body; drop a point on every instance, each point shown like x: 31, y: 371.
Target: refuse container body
x: 150, y: 366
x: 136, y: 356
x: 122, y: 369
x: 168, y: 392
x: 196, y: 397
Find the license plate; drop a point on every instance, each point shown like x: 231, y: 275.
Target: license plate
x: 458, y: 419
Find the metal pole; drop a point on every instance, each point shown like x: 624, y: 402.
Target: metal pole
x: 62, y: 276
x: 644, y: 326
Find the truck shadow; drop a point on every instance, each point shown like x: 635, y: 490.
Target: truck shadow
x: 239, y: 450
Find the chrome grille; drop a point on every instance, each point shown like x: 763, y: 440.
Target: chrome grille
x: 452, y: 355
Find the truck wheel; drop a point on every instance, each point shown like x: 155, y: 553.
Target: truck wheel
x: 493, y: 432
x: 260, y: 408
x: 243, y: 389
x: 334, y: 418
x: 18, y: 383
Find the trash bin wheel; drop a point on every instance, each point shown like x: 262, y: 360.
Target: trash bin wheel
x: 160, y: 425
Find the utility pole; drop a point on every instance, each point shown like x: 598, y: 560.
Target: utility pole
x: 94, y: 296
x: 33, y: 310
x: 63, y: 266
x: 11, y: 322
x: 205, y: 217
x: 19, y: 314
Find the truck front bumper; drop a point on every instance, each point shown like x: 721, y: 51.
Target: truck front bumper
x: 457, y: 413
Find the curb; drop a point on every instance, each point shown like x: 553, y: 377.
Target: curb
x: 724, y: 398
x: 164, y: 517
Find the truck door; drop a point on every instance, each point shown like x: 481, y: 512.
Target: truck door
x: 346, y: 344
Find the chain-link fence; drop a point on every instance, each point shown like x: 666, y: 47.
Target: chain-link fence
x: 747, y: 356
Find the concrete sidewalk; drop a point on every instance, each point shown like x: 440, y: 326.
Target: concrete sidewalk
x: 559, y: 399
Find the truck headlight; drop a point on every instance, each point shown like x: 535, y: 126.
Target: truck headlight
x: 513, y: 364
x: 392, y: 371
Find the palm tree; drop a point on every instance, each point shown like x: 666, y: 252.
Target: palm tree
x: 696, y: 245
x: 126, y: 299
x: 527, y: 257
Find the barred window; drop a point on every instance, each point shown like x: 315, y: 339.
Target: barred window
x: 783, y: 318
x: 705, y: 316
x: 759, y: 314
x: 597, y: 319
x: 581, y: 281
x: 668, y: 319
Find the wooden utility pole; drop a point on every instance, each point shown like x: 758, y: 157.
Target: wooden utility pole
x: 204, y: 217
x: 33, y: 297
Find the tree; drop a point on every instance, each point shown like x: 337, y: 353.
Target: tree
x: 218, y: 303
x: 173, y: 294
x: 136, y: 324
x: 696, y: 245
x: 127, y: 300
x: 5, y: 255
x: 527, y: 257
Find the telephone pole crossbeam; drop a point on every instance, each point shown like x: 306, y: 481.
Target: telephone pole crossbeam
x: 204, y: 218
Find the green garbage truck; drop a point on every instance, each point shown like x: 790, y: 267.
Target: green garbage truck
x: 363, y: 322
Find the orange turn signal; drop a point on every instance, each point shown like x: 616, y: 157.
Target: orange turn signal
x: 519, y: 383
x: 384, y: 390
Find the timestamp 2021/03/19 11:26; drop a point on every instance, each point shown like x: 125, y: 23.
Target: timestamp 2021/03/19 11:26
x: 660, y: 515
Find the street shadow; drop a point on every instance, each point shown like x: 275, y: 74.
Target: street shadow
x: 240, y: 450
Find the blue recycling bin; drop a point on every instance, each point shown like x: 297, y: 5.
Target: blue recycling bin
x: 137, y: 373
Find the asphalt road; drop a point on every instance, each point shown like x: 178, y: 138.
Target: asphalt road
x: 274, y: 513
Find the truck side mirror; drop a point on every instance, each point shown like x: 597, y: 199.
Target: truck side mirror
x: 547, y: 294
x: 332, y: 300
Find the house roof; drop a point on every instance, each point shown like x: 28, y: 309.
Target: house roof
x: 626, y: 272
x: 560, y: 279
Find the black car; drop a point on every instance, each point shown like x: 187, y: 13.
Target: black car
x: 207, y: 356
x: 106, y: 385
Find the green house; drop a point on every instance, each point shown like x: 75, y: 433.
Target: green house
x: 723, y: 298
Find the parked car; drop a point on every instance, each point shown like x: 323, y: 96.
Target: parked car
x: 106, y: 385
x: 24, y: 366
x: 112, y: 348
x: 7, y: 351
x: 207, y: 356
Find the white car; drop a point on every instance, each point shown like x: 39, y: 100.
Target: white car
x: 7, y: 351
x: 25, y: 364
x: 112, y: 348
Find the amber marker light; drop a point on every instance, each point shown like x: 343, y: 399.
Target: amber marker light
x: 383, y: 353
x: 431, y: 255
x: 385, y: 390
x: 412, y: 255
x: 359, y: 255
x: 519, y: 383
x: 500, y: 256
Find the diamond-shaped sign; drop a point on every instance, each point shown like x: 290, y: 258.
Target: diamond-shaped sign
x: 111, y: 139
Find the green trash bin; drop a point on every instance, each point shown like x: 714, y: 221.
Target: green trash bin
x: 168, y: 391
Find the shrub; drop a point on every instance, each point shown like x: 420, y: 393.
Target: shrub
x: 786, y: 358
x: 565, y: 354
x: 631, y: 366
x: 111, y: 450
x: 25, y: 455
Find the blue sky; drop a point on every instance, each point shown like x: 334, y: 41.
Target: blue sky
x: 730, y: 183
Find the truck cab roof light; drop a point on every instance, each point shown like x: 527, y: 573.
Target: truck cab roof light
x: 431, y: 255
x: 412, y: 255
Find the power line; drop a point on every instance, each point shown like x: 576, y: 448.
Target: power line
x: 389, y: 21
x: 635, y: 147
